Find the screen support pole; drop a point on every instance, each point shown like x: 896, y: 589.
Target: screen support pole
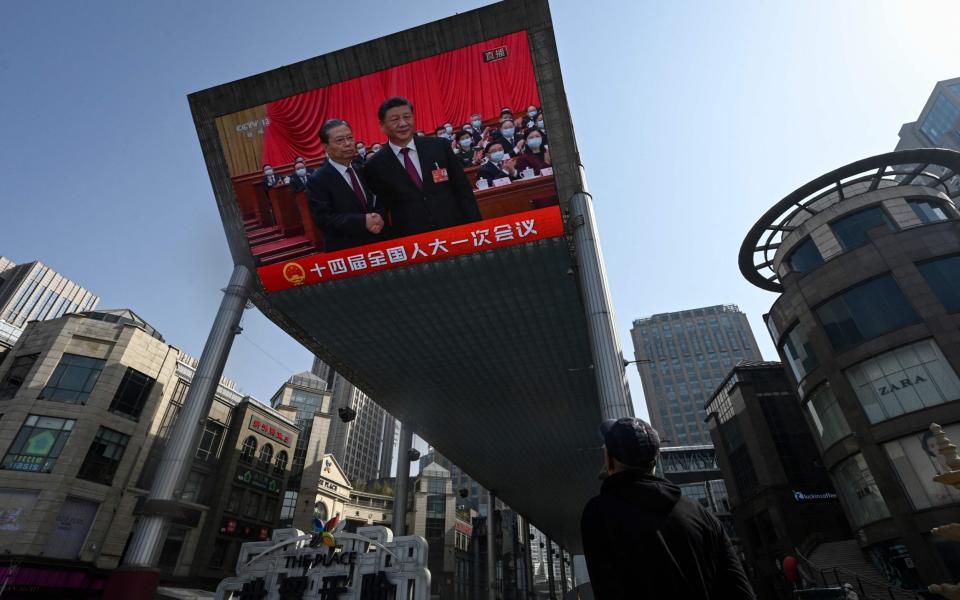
x: 138, y: 569
x: 403, y: 479
x: 491, y: 546
x: 608, y: 367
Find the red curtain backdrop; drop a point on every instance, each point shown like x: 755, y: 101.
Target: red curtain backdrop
x: 448, y: 87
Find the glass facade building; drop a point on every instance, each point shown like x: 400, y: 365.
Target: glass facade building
x: 682, y: 357
x: 35, y: 292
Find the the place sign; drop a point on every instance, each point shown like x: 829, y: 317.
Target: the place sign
x: 368, y: 565
x: 268, y: 429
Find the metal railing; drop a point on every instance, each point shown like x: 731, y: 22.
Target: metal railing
x: 866, y: 587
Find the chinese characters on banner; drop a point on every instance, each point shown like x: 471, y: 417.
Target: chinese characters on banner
x: 488, y: 234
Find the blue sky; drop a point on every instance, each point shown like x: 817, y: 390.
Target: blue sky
x: 692, y: 119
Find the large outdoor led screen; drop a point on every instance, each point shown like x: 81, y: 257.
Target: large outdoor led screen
x: 435, y: 158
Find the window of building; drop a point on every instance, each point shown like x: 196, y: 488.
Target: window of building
x: 799, y: 352
x: 281, y: 465
x: 218, y: 556
x: 233, y: 501
x: 73, y: 379
x: 209, y: 447
x: 826, y: 415
x: 943, y: 277
x: 38, y: 444
x: 434, y: 529
x: 870, y: 309
x: 718, y: 491
x: 269, y: 511
x: 266, y: 456
x: 696, y: 492
x: 171, y: 549
x: 249, y: 449
x: 103, y: 456
x: 193, y: 488
x: 859, y: 492
x: 940, y: 120
x: 436, y: 505
x: 927, y: 211
x: 903, y: 380
x: 251, y: 505
x: 132, y: 394
x: 805, y: 257
x: 289, y: 505
x: 16, y: 375
x: 851, y: 230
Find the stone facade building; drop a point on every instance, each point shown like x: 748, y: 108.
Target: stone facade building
x: 866, y: 264
x: 780, y: 496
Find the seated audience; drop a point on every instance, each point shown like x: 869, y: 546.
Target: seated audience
x: 298, y: 181
x: 498, y: 165
x: 535, y: 155
x: 271, y: 179
x: 530, y: 121
x: 506, y: 135
x: 464, y: 150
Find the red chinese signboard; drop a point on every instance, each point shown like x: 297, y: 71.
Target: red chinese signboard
x: 265, y: 428
x: 498, y: 232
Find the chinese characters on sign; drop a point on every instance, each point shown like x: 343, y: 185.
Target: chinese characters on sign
x: 495, y: 54
x: 425, y: 247
x: 261, y: 426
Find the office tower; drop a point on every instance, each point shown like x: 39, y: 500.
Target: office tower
x: 364, y: 445
x: 682, y: 357
x: 35, y: 292
x: 938, y: 125
x: 779, y: 493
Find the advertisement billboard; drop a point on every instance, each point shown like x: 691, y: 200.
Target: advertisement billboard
x: 917, y: 461
x: 438, y: 157
x: 445, y: 282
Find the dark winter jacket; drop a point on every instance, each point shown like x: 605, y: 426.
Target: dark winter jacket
x: 642, y: 539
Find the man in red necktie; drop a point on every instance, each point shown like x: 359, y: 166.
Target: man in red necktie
x: 419, y: 180
x: 342, y: 205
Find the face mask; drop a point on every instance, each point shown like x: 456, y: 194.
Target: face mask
x: 476, y: 123
x: 301, y: 172
x: 497, y: 156
x: 534, y: 142
x: 268, y: 172
x: 362, y: 151
x: 540, y: 125
x: 468, y: 129
x: 532, y: 114
x: 465, y: 144
x: 507, y: 131
x: 376, y: 148
x: 449, y: 128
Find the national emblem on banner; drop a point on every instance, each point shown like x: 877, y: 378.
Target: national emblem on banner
x: 294, y: 273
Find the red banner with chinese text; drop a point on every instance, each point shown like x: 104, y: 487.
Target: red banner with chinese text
x: 488, y: 234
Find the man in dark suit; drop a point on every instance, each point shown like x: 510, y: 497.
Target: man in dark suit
x: 507, y: 136
x: 418, y: 179
x: 301, y: 174
x: 341, y: 204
